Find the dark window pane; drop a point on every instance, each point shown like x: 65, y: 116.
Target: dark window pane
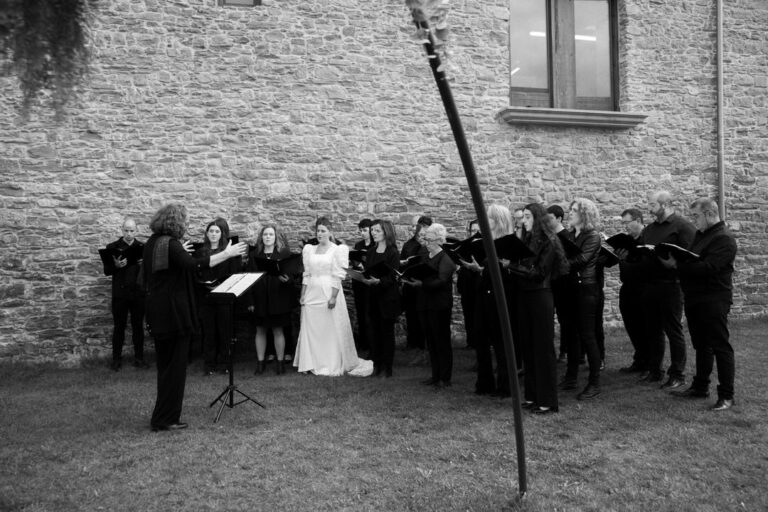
x: 528, y: 45
x: 593, y: 49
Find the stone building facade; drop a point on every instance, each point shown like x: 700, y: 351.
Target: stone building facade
x: 298, y: 108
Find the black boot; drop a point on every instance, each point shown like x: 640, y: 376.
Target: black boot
x: 259, y: 368
x: 279, y: 367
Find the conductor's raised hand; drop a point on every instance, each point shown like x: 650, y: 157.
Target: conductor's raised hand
x: 187, y: 245
x: 237, y: 249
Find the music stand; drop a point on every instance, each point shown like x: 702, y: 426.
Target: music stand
x: 224, y: 295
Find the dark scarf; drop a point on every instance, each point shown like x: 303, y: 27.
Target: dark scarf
x: 160, y: 253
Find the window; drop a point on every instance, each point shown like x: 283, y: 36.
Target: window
x: 240, y: 3
x: 563, y: 54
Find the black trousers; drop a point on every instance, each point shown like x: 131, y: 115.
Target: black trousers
x: 468, y: 309
x: 438, y: 330
x: 121, y: 307
x: 536, y: 324
x: 585, y: 297
x: 631, y: 307
x: 216, y: 333
x: 488, y: 328
x: 564, y: 310
x: 383, y: 339
x: 360, y: 292
x: 415, y: 337
x: 599, y: 328
x: 663, y: 312
x: 171, y: 378
x: 708, y: 325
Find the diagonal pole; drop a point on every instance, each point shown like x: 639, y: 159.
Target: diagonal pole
x: 490, y: 250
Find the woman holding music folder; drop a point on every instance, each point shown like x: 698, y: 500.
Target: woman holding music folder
x: 433, y: 281
x: 215, y: 331
x: 584, y: 219
x: 382, y: 260
x: 535, y: 309
x: 487, y: 318
x: 326, y: 344
x: 272, y: 298
x: 169, y: 277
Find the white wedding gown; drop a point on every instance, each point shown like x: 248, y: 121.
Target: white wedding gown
x: 326, y: 345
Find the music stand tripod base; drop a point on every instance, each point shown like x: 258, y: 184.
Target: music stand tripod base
x: 224, y: 297
x: 230, y: 390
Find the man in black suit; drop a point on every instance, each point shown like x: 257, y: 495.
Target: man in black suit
x: 127, y: 295
x: 708, y: 290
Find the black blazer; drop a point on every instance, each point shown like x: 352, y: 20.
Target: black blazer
x: 171, y: 307
x: 125, y: 283
x: 385, y: 296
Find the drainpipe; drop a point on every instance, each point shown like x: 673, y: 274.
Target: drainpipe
x: 720, y: 134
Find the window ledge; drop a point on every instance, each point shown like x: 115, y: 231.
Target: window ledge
x: 567, y: 117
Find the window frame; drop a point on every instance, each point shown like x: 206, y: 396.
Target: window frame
x: 561, y: 66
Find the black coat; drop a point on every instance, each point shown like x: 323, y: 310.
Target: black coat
x: 436, y: 292
x: 125, y: 283
x: 171, y: 306
x: 711, y: 276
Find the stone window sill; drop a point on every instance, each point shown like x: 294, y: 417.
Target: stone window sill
x: 567, y: 117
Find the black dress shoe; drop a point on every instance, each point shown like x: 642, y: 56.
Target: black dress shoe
x: 429, y: 382
x: 650, y: 377
x: 672, y: 383
x: 633, y: 368
x: 543, y: 410
x: 567, y: 384
x: 116, y: 365
x: 691, y: 392
x: 140, y: 363
x: 590, y: 392
x: 528, y: 405
x: 722, y: 405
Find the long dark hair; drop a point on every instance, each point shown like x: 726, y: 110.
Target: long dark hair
x: 541, y: 232
x: 389, y: 232
x: 224, y: 240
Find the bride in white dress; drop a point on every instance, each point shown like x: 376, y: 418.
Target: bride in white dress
x: 326, y: 345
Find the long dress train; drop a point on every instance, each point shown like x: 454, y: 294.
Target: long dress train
x: 326, y: 344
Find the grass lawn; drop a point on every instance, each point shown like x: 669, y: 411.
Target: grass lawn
x: 80, y: 440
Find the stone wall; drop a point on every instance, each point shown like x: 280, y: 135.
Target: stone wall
x: 304, y: 107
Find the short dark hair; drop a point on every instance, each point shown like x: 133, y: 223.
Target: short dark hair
x: 557, y: 211
x: 425, y: 221
x: 365, y: 223
x: 634, y: 213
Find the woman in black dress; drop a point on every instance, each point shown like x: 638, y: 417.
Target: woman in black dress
x: 535, y: 310
x: 384, y: 297
x: 169, y: 277
x: 215, y: 333
x: 272, y: 297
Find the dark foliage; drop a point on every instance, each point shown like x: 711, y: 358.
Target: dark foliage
x: 44, y: 43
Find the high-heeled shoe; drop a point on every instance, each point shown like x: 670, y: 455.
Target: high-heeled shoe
x: 279, y: 368
x: 259, y: 368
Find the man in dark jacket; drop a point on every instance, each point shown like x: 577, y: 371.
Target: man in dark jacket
x: 662, y: 297
x: 708, y: 291
x: 122, y: 263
